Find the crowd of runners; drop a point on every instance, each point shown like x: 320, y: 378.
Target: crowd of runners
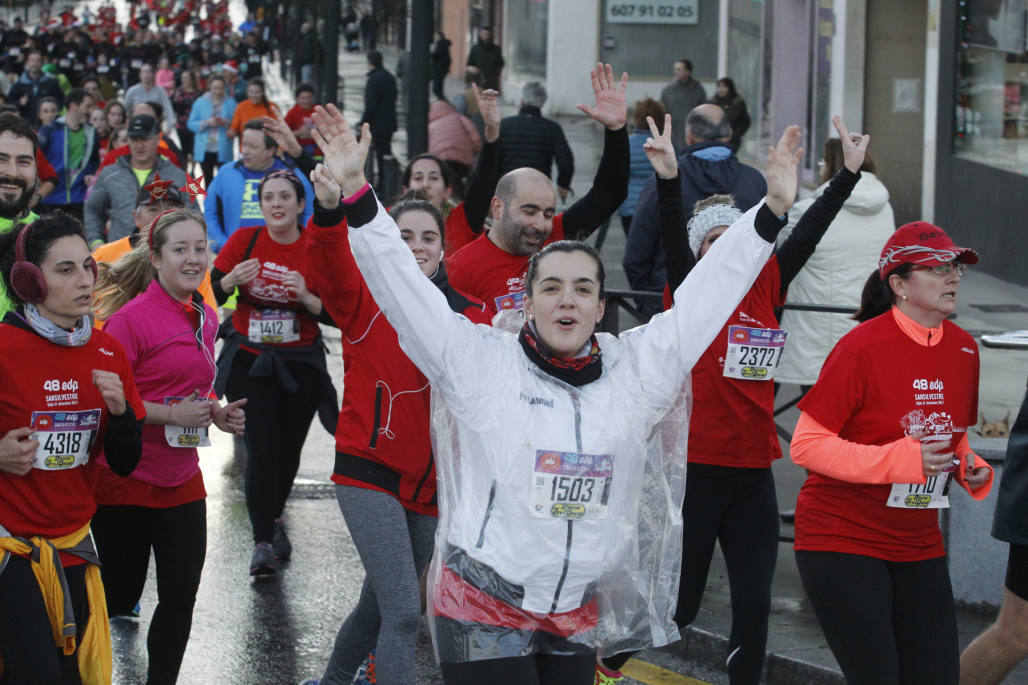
x: 550, y: 494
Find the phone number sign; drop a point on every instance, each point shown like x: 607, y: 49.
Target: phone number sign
x: 666, y: 12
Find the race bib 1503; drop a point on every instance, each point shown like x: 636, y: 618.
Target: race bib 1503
x: 568, y: 485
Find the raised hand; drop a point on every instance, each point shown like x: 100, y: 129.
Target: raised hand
x: 854, y: 145
x: 782, y: 163
x: 489, y: 108
x: 659, y: 149
x: 610, y: 109
x: 279, y: 130
x: 241, y: 273
x: 344, y: 155
x: 325, y: 187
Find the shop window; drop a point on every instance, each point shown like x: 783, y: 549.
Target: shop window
x: 991, y: 109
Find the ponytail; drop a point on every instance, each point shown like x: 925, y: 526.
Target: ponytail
x: 877, y: 296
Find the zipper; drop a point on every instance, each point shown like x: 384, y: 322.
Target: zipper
x: 567, y: 547
x: 424, y: 477
x: 488, y: 512
x: 378, y: 417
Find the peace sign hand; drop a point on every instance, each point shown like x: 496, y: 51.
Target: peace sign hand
x: 854, y: 145
x: 659, y: 149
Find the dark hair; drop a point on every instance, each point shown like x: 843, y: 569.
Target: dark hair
x: 834, y: 160
x: 703, y: 129
x: 258, y: 81
x: 566, y: 246
x: 375, y: 58
x: 444, y: 169
x: 285, y: 175
x: 257, y: 124
x: 19, y: 128
x: 215, y: 77
x: 686, y: 63
x: 877, y: 296
x: 730, y: 85
x: 91, y: 77
x: 472, y: 75
x: 647, y: 107
x: 418, y: 205
x: 158, y: 110
x: 303, y: 88
x: 75, y: 96
x: 43, y: 232
x: 8, y: 108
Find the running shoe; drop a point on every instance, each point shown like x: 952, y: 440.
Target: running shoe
x: 280, y: 542
x: 366, y: 673
x: 262, y: 563
x: 607, y: 677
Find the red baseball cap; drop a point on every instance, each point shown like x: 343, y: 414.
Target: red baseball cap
x: 923, y: 244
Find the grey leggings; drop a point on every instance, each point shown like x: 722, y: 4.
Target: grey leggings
x: 395, y: 545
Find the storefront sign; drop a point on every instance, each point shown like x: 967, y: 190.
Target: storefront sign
x: 666, y: 12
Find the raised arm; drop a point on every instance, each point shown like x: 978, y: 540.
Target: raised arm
x: 800, y: 245
x: 430, y: 333
x: 678, y: 256
x: 483, y: 178
x: 610, y: 185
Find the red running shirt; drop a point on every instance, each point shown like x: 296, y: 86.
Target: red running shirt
x: 732, y: 421
x: 40, y: 376
x: 484, y: 271
x: 266, y: 291
x: 876, y: 386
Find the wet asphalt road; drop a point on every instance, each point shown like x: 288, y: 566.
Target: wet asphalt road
x: 269, y: 631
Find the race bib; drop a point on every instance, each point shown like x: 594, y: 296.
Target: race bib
x: 136, y: 64
x: 567, y: 485
x: 274, y: 326
x: 64, y: 63
x: 14, y: 52
x: 254, y: 58
x: 510, y: 301
x: 753, y: 353
x: 185, y: 436
x: 65, y: 438
x: 932, y: 494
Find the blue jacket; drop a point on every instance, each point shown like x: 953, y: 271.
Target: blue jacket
x: 704, y: 169
x: 232, y: 201
x: 71, y: 183
x: 640, y: 171
x: 197, y: 123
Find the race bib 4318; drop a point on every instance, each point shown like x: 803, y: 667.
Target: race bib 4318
x: 65, y: 438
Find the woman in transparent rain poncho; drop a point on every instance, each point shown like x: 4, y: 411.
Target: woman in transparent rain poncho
x: 560, y: 452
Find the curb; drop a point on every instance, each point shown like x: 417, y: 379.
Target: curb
x: 710, y: 649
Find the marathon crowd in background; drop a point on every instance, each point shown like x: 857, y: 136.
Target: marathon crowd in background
x: 146, y: 180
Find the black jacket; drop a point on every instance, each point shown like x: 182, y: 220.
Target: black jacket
x: 487, y: 57
x: 700, y: 178
x: 441, y: 59
x: 380, y: 102
x: 529, y: 139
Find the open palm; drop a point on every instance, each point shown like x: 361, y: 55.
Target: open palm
x: 344, y: 154
x: 610, y: 108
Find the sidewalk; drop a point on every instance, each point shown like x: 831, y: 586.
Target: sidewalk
x: 797, y: 651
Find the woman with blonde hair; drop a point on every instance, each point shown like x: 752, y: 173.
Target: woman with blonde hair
x: 150, y: 300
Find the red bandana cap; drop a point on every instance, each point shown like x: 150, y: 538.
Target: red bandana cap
x: 922, y: 244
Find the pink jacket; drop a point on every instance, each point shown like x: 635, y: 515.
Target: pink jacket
x: 451, y: 135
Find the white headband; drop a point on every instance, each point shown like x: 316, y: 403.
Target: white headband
x: 711, y: 217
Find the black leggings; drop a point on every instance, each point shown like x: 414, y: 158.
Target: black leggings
x: 534, y: 669
x: 210, y: 165
x: 887, y: 622
x: 178, y: 535
x: 276, y: 427
x: 738, y: 508
x: 26, y: 639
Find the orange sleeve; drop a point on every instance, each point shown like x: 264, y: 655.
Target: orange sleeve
x: 207, y: 291
x: 963, y: 450
x: 819, y: 449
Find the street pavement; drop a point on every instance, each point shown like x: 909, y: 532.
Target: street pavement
x: 281, y: 630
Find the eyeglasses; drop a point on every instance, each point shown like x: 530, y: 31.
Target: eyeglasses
x: 945, y: 269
